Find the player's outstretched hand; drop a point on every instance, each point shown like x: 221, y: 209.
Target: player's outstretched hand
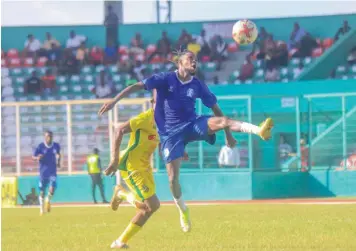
x: 106, y: 107
x: 112, y: 168
x: 231, y: 142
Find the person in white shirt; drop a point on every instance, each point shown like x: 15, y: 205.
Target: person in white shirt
x: 229, y: 157
x: 74, y: 40
x: 32, y: 45
x: 104, y: 87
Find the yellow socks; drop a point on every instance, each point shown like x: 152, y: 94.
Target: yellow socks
x: 129, y: 232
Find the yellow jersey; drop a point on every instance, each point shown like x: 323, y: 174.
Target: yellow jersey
x: 142, y: 143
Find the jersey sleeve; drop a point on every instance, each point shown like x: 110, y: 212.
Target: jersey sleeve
x: 58, y: 148
x: 206, y: 96
x: 37, y: 151
x: 156, y: 81
x: 139, y: 122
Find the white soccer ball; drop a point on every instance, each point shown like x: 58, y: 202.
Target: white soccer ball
x: 244, y: 32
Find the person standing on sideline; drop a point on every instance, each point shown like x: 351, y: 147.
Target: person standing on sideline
x: 229, y: 156
x: 48, y: 155
x: 94, y: 170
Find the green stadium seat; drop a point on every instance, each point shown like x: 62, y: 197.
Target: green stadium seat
x: 74, y: 80
x: 116, y: 79
x: 86, y: 70
x: 76, y: 89
x: 259, y: 75
x: 42, y: 70
x: 340, y: 70
x: 28, y: 71
x: 295, y: 62
x: 307, y: 61
x: 113, y: 69
x: 16, y: 72
x: 99, y: 68
x: 88, y: 80
x: 169, y: 67
x: 284, y: 72
x: 19, y: 81
x: 18, y: 91
x: 63, y: 90
x: 61, y: 80
x: 210, y: 67
x: 258, y: 64
x: 248, y: 81
x: 234, y: 76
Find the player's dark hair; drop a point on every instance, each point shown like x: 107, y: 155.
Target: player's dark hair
x: 49, y: 132
x: 178, y: 55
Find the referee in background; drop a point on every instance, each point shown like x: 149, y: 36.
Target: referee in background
x: 94, y: 170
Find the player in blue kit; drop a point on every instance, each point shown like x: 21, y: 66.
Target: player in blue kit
x: 178, y: 123
x: 48, y: 155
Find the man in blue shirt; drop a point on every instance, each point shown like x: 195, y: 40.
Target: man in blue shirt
x: 178, y: 123
x: 48, y: 155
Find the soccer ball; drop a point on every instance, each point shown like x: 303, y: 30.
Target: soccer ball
x: 244, y: 32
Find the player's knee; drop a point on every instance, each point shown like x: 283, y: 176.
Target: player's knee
x: 224, y: 122
x: 155, y: 206
x: 173, y: 179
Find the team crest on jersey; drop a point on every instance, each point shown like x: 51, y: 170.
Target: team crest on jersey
x: 145, y: 189
x: 151, y: 137
x: 170, y: 89
x: 166, y: 152
x: 190, y: 92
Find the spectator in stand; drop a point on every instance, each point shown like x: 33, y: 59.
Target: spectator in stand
x: 74, y: 41
x: 296, y: 36
x: 271, y: 55
x: 218, y: 50
x: 246, y: 70
x: 32, y: 46
x: 272, y: 74
x: 164, y: 45
x: 47, y: 44
x: 183, y: 40
x: 137, y: 45
x: 229, y: 157
x: 112, y: 25
x: 216, y: 80
x: 53, y: 55
x: 306, y: 46
x: 139, y: 71
x: 194, y: 47
x: 33, y: 84
x: 298, y: 71
x: 260, y: 41
x: 110, y: 53
x: 351, y: 59
x: 49, y: 82
x: 284, y: 150
x: 342, y: 30
x: 96, y: 56
x: 70, y: 65
x: 82, y: 54
x: 282, y: 54
x: 203, y: 41
x: 104, y: 87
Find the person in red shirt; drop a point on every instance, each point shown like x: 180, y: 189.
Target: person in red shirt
x: 96, y: 56
x: 48, y: 82
x: 246, y: 70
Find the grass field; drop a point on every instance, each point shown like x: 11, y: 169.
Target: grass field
x: 215, y: 227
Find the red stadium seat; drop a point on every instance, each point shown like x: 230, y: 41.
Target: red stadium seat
x: 14, y: 62
x: 151, y: 48
x: 28, y: 62
x: 42, y: 61
x: 317, y: 52
x: 124, y: 58
x: 232, y: 47
x: 3, y: 62
x: 205, y: 59
x: 327, y: 43
x: 123, y: 50
x: 156, y: 59
x: 12, y: 53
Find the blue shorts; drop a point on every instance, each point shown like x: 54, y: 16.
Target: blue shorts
x: 174, y: 142
x: 48, y: 181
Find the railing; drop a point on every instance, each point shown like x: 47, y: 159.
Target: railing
x: 328, y: 121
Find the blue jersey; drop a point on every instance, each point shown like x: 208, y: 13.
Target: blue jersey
x: 175, y: 103
x: 48, y: 163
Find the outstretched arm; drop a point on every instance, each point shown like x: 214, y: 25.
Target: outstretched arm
x: 124, y: 93
x: 121, y: 131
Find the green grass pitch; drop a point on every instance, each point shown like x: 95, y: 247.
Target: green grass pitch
x: 215, y: 227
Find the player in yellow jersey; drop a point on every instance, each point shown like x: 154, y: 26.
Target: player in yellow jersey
x: 135, y: 169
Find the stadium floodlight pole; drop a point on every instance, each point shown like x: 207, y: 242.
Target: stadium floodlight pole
x: 69, y: 138
x: 297, y: 119
x: 344, y: 139
x: 18, y: 140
